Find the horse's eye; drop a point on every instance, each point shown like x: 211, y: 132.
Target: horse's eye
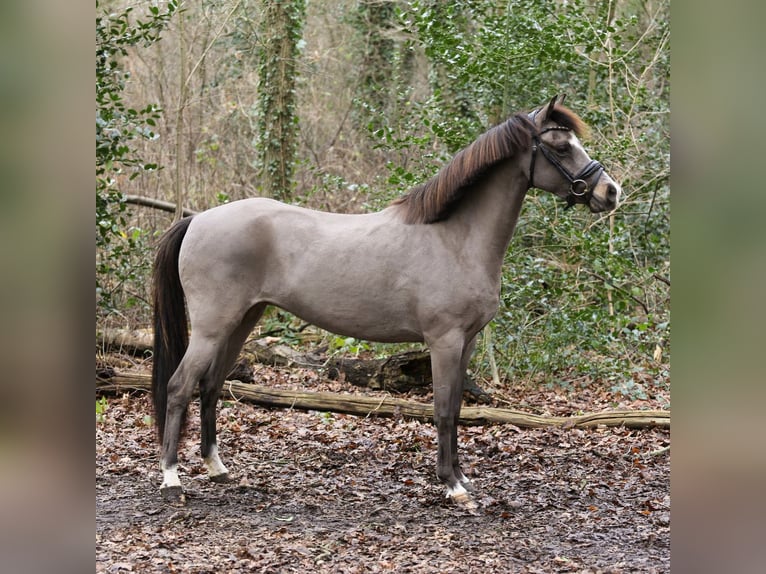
x: 563, y: 147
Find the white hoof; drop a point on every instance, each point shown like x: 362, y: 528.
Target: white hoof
x: 460, y: 496
x: 458, y: 490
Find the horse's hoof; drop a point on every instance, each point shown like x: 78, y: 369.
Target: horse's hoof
x: 464, y: 501
x: 173, y: 495
x: 222, y: 478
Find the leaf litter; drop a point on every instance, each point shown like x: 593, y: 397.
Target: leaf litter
x: 325, y: 492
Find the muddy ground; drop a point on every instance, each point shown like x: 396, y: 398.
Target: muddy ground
x: 321, y: 492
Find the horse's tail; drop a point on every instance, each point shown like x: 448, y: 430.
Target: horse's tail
x: 171, y: 333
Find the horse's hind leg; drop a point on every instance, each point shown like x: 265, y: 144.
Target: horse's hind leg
x: 194, y: 367
x: 210, y: 390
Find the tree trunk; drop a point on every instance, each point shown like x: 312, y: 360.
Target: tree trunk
x: 110, y: 382
x: 374, y: 20
x: 281, y: 29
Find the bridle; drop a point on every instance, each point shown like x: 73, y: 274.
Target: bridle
x: 579, y: 189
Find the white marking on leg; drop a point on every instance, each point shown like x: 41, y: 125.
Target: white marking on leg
x: 213, y: 463
x: 170, y: 476
x: 464, y: 480
x: 458, y: 491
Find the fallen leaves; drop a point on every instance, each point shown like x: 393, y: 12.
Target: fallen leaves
x: 323, y: 492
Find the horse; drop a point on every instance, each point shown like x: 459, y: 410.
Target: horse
x: 427, y: 268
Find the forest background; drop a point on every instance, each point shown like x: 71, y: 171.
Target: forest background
x: 344, y: 105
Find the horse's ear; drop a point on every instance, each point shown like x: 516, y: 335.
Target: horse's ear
x: 543, y: 115
x: 557, y: 99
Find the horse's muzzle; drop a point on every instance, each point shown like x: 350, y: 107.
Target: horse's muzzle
x: 605, y: 198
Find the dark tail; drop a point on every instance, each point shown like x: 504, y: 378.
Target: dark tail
x: 171, y: 332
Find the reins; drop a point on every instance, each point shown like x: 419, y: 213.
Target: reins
x: 578, y: 183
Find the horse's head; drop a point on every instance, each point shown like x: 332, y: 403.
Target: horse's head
x: 559, y: 163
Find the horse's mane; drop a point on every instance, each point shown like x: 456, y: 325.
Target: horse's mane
x: 435, y: 199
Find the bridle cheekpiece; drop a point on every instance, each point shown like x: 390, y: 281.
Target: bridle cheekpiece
x: 579, y: 188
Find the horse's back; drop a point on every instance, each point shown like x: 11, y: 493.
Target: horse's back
x: 342, y: 272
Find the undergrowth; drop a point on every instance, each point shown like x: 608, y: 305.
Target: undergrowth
x: 585, y: 298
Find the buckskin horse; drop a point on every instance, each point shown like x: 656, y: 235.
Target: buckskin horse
x: 425, y: 269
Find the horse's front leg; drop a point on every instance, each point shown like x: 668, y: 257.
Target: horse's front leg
x: 458, y: 398
x: 448, y: 370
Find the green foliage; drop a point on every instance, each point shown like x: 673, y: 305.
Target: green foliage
x: 582, y: 293
x: 348, y: 346
x: 489, y: 60
x: 102, y: 405
x: 630, y: 389
x: 574, y: 297
x: 275, y: 321
x: 327, y: 418
x: 118, y: 247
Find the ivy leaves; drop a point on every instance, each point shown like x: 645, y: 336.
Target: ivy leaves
x: 116, y: 125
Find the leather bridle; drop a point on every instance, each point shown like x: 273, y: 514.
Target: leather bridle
x: 579, y: 188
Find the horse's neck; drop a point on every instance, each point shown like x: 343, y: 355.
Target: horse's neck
x: 488, y: 216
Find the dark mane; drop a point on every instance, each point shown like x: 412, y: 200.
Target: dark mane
x: 435, y: 199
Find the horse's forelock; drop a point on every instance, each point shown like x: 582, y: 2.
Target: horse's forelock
x: 563, y: 116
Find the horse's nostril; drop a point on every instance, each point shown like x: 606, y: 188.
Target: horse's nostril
x: 611, y: 193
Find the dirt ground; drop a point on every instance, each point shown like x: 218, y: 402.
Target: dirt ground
x: 322, y: 492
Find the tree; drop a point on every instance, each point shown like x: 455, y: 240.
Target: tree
x: 281, y: 29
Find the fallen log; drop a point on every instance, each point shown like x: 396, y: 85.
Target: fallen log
x: 409, y: 371
x: 141, y: 341
x: 125, y: 340
x: 111, y: 382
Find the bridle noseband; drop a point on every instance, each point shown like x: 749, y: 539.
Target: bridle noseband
x: 579, y: 189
